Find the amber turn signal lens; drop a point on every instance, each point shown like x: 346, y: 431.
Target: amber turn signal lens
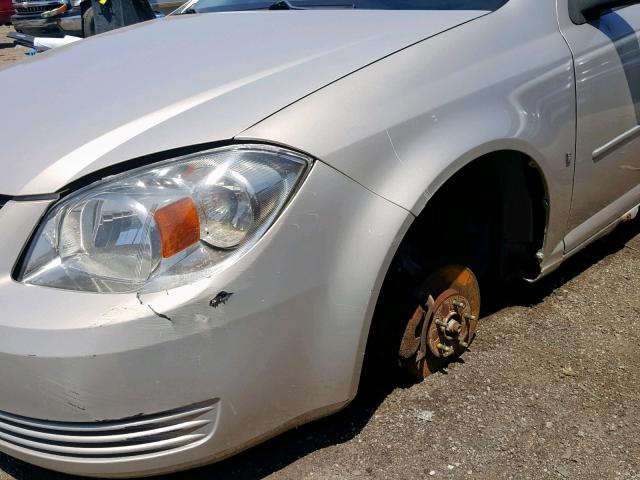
x: 178, y: 225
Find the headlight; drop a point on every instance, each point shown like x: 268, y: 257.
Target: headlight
x: 164, y: 225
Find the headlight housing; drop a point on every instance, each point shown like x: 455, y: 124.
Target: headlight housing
x: 163, y: 225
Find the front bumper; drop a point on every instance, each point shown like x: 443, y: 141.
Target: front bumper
x: 68, y: 23
x: 79, y: 371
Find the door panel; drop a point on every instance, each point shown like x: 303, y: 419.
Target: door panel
x: 607, y: 168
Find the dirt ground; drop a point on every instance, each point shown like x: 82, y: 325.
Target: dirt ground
x: 8, y: 53
x: 550, y: 389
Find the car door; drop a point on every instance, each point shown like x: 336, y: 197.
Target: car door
x: 606, y: 55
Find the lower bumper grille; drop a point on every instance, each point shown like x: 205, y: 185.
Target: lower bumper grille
x: 124, y: 438
x: 36, y: 9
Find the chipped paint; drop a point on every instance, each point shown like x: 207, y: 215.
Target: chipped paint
x: 220, y: 299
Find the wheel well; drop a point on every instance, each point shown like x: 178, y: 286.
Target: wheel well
x: 490, y: 216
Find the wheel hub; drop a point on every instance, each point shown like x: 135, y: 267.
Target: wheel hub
x: 453, y: 325
x: 442, y: 328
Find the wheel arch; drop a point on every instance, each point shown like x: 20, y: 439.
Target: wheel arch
x: 514, y: 146
x: 512, y: 155
x: 521, y: 176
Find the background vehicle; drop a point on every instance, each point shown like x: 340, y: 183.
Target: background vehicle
x: 417, y: 158
x: 73, y: 18
x: 6, y: 11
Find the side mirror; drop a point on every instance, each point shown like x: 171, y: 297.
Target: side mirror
x: 581, y: 11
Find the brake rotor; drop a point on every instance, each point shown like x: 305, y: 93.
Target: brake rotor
x: 443, y: 328
x: 452, y: 326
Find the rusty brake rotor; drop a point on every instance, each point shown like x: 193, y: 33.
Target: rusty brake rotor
x: 444, y: 327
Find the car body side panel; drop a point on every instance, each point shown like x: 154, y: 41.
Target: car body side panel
x: 493, y: 84
x: 607, y: 170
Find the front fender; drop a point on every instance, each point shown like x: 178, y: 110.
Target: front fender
x: 404, y: 125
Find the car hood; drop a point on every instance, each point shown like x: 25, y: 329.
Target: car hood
x: 181, y: 81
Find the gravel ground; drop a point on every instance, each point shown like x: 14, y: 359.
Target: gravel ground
x: 549, y: 390
x: 8, y: 53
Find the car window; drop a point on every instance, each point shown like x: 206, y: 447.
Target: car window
x: 230, y: 5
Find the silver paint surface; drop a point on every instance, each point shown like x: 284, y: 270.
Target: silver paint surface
x: 607, y: 65
x: 391, y: 103
x: 189, y: 79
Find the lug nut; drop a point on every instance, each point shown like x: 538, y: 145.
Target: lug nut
x: 441, y: 323
x: 470, y: 317
x: 464, y: 344
x: 444, y: 348
x: 458, y: 304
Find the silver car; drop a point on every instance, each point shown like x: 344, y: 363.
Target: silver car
x: 199, y: 255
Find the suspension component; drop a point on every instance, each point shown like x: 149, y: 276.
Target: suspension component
x: 445, y: 327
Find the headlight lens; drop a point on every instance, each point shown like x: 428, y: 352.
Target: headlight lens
x: 164, y: 225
